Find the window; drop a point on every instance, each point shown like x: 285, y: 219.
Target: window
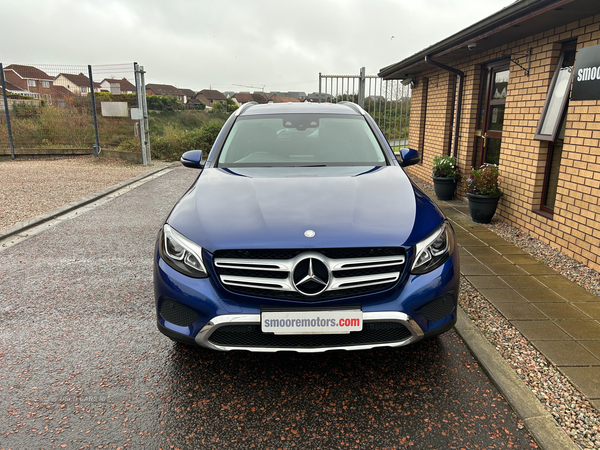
x: 292, y: 140
x: 46, y: 84
x: 558, y: 96
x: 553, y: 123
x: 84, y: 90
x: 30, y: 83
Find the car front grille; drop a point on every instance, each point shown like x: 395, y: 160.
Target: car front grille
x: 270, y: 272
x: 251, y: 336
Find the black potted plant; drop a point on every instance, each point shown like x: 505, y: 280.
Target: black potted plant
x: 445, y: 177
x: 483, y: 191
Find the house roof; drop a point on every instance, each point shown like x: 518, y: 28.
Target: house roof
x: 259, y: 98
x: 243, y: 97
x: 517, y: 21
x: 164, y: 89
x: 12, y: 88
x: 212, y: 94
x: 127, y: 86
x: 61, y: 90
x: 188, y: 93
x: 202, y: 98
x: 296, y: 94
x: 281, y: 99
x: 29, y: 72
x: 78, y: 80
x: 124, y: 83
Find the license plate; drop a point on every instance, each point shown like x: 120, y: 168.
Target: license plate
x: 312, y: 322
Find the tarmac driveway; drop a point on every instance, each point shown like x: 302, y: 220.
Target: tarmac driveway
x: 82, y: 364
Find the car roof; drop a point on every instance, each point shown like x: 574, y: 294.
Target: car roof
x: 300, y: 108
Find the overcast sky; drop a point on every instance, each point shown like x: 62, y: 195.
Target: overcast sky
x: 197, y: 44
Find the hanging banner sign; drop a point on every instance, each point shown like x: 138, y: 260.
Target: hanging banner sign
x: 586, y: 79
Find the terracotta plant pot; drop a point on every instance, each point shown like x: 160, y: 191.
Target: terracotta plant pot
x: 483, y: 207
x: 444, y: 187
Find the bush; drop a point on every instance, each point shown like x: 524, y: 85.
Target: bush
x: 445, y: 167
x: 163, y: 103
x: 174, y: 141
x: 484, y: 181
x: 130, y: 99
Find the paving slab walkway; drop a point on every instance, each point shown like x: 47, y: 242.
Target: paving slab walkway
x: 560, y: 318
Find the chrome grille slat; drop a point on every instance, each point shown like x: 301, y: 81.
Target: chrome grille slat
x: 261, y: 264
x: 351, y: 267
x: 364, y: 263
x: 367, y: 280
x: 260, y: 283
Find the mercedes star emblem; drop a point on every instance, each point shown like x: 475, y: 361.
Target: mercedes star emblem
x: 311, y: 276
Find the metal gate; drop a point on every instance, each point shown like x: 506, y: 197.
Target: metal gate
x: 387, y: 101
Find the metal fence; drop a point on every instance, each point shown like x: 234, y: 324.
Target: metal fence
x: 387, y: 101
x: 65, y: 108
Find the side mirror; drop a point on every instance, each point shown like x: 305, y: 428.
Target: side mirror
x: 408, y: 157
x: 193, y: 159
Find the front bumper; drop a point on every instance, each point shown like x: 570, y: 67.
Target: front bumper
x: 406, y: 329
x: 202, y: 312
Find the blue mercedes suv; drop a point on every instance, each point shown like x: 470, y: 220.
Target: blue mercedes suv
x: 303, y: 233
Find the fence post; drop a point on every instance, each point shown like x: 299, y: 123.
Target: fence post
x: 97, y: 145
x: 361, y: 88
x: 140, y: 105
x: 8, y: 128
x: 319, y: 87
x: 145, y: 114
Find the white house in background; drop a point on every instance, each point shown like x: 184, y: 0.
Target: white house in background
x: 117, y: 86
x: 76, y: 84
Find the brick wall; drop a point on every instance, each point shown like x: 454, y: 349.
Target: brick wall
x: 575, y: 226
x: 428, y: 131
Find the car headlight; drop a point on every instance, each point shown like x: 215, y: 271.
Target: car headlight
x: 181, y: 254
x: 434, y: 250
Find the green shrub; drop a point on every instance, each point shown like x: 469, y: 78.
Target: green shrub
x: 174, y: 141
x: 130, y: 99
x: 163, y: 103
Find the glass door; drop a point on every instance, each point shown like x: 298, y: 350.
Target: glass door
x: 494, y: 84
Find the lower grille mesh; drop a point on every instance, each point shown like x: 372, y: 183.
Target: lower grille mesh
x: 252, y: 336
x: 177, y: 314
x: 439, y: 308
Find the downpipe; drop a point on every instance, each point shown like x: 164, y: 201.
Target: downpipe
x: 457, y: 112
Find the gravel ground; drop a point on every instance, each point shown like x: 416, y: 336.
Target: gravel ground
x: 36, y: 186
x: 574, y: 270
x: 570, y: 409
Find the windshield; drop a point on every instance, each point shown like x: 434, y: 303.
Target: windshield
x: 301, y: 140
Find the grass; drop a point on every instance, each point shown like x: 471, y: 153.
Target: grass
x: 171, y: 133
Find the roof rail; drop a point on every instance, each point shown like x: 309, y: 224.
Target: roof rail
x: 354, y: 106
x: 245, y: 106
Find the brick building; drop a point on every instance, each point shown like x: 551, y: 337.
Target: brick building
x: 33, y: 81
x: 503, y: 92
